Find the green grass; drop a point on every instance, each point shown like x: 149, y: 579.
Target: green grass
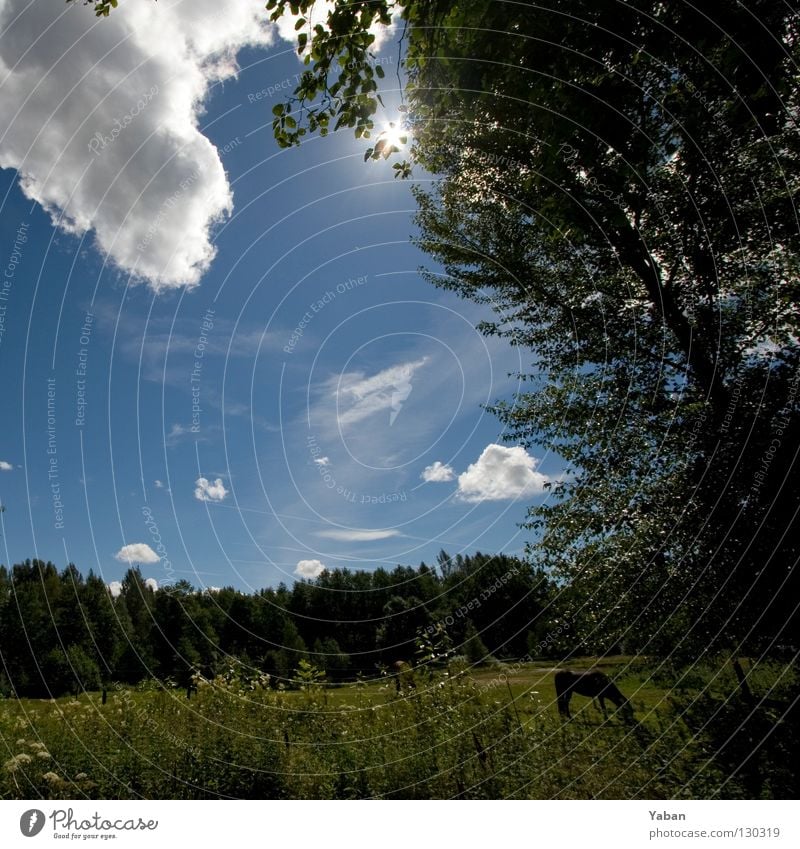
x: 467, y: 735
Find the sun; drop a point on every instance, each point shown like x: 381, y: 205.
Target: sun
x: 391, y: 139
x: 394, y: 134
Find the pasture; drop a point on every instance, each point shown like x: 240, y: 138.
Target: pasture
x: 493, y: 732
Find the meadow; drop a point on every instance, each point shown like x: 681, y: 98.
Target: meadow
x: 491, y: 732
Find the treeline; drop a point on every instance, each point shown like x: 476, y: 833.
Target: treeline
x: 62, y: 632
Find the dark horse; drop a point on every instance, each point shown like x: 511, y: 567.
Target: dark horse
x: 592, y: 683
x: 403, y: 676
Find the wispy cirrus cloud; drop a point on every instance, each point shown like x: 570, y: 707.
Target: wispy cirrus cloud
x: 358, y: 535
x: 359, y: 396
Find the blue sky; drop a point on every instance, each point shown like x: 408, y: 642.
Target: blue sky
x: 225, y: 352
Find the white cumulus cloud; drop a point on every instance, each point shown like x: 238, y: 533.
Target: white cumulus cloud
x: 152, y: 583
x: 115, y: 588
x: 5, y: 466
x: 437, y: 472
x: 205, y: 490
x: 101, y: 123
x: 137, y: 552
x: 309, y: 568
x: 501, y: 473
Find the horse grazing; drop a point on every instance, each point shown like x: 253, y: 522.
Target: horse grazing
x: 403, y: 676
x: 592, y: 683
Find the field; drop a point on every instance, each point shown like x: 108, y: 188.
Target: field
x: 487, y: 733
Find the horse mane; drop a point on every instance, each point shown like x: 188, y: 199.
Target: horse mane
x: 615, y: 694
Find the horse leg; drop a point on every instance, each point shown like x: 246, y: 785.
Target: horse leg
x: 563, y: 706
x: 602, y: 701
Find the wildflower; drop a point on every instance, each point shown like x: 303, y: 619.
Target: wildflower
x: 81, y: 776
x: 16, y: 762
x: 21, y: 742
x: 45, y: 756
x: 52, y: 778
x: 35, y: 745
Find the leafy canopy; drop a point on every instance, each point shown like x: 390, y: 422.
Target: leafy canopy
x: 619, y: 183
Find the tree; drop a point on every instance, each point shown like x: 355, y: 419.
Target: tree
x: 72, y: 671
x: 328, y: 656
x: 619, y: 183
x: 621, y: 189
x: 104, y: 642
x: 475, y: 649
x: 402, y: 619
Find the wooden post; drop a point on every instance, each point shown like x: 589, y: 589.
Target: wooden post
x: 514, y: 704
x: 747, y: 693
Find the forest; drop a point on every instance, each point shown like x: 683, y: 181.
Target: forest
x: 61, y: 632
